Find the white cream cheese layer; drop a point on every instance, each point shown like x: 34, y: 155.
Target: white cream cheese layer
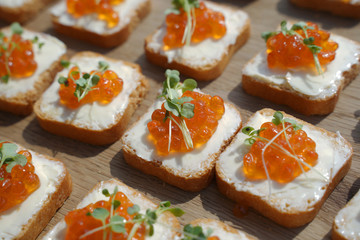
x: 49, y: 173
x: 161, y: 231
x: 312, y: 85
x: 301, y: 194
x: 126, y: 11
x: 95, y: 116
x: 218, y: 231
x: 12, y: 3
x: 347, y: 221
x: 50, y: 52
x: 209, y: 51
x: 182, y: 163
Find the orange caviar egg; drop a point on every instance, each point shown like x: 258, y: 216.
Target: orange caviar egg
x: 16, y: 186
x: 108, y: 87
x: 18, y: 57
x: 207, y: 112
x: 79, y: 222
x: 209, y: 24
x: 103, y: 9
x: 289, y: 51
x: 213, y: 238
x: 280, y: 166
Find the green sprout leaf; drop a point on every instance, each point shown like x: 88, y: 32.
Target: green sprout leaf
x: 100, y: 213
x: 103, y: 66
x: 105, y: 192
x: 65, y: 63
x: 9, y: 156
x: 187, y: 110
x: 63, y: 80
x: 194, y: 233
x: 277, y: 118
x: 133, y: 210
x: 247, y: 130
x: 189, y: 85
x: 118, y: 224
x: 16, y: 28
x: 267, y: 35
x: 5, y: 78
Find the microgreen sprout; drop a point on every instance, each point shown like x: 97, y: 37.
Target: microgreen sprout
x: 9, y: 156
x: 86, y: 82
x: 307, y: 41
x: 177, y: 105
x: 278, y: 118
x: 195, y: 233
x: 189, y: 7
x: 116, y: 223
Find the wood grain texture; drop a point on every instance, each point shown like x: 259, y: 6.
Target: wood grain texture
x: 89, y: 164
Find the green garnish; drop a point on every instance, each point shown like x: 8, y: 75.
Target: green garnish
x: 86, y: 82
x: 117, y: 222
x: 189, y: 7
x: 9, y: 156
x: 195, y: 233
x: 176, y: 104
x: 307, y: 41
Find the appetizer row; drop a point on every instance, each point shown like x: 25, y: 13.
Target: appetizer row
x: 34, y: 186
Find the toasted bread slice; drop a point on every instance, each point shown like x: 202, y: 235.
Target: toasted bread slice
x: 21, y: 11
x: 221, y: 230
x: 27, y: 220
x: 93, y: 123
x: 349, y: 9
x: 190, y: 171
x: 347, y: 222
x: 165, y: 228
x: 19, y: 95
x: 206, y: 60
x: 306, y: 93
x: 295, y: 203
x: 88, y: 28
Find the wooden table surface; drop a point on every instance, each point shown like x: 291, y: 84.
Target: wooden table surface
x: 90, y: 164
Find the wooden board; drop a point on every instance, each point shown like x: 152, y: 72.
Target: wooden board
x: 90, y: 164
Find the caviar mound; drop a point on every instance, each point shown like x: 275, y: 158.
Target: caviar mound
x: 79, y: 221
x: 289, y: 51
x: 16, y: 186
x: 17, y: 58
x: 208, y: 24
x: 108, y: 87
x: 103, y: 9
x: 207, y: 112
x: 280, y: 166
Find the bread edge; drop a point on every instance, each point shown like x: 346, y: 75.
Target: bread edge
x: 297, y: 101
x: 104, y: 40
x: 192, y: 182
x: 289, y: 220
x: 201, y: 74
x: 23, y: 104
x: 334, y: 7
x: 23, y: 13
x: 40, y: 220
x: 97, y: 137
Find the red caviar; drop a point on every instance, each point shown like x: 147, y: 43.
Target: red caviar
x: 209, y: 24
x: 289, y: 51
x: 103, y: 9
x: 280, y: 166
x: 108, y: 87
x: 79, y: 222
x: 207, y: 112
x: 18, y: 57
x: 16, y: 186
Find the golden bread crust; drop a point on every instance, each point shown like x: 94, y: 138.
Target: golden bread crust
x: 339, y: 8
x: 289, y: 219
x: 104, y: 40
x: 301, y: 103
x: 96, y: 137
x: 205, y: 73
x: 23, y: 13
x: 194, y: 181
